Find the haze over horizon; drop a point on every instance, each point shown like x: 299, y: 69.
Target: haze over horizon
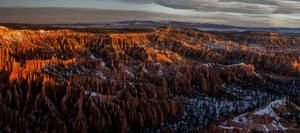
x: 255, y: 13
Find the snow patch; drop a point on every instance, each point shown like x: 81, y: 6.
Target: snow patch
x: 101, y: 75
x: 93, y: 57
x: 103, y: 64
x: 94, y: 94
x: 266, y: 128
x: 268, y: 110
x: 179, y: 75
x: 157, y: 64
x: 228, y: 128
x: 240, y: 117
x: 145, y: 70
x: 131, y: 74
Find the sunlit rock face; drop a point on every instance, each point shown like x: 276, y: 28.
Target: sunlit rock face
x: 165, y: 79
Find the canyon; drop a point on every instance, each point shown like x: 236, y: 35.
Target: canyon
x: 166, y: 79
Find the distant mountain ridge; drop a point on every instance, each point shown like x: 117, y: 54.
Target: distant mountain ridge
x: 199, y: 26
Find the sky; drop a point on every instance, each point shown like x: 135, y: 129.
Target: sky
x: 249, y: 13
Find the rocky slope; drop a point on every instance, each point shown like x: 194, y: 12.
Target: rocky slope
x: 168, y: 79
x: 279, y: 115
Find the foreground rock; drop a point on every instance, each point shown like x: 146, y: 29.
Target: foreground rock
x: 278, y: 116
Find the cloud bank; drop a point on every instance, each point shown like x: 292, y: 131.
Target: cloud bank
x: 258, y: 13
x: 233, y: 6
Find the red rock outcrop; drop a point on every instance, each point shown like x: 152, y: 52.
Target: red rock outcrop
x: 66, y: 81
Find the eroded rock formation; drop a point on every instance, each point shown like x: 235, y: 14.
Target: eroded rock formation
x: 66, y: 81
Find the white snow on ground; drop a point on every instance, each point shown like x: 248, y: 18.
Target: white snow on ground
x: 131, y: 74
x: 266, y: 129
x: 179, y: 75
x: 93, y: 57
x: 101, y: 75
x: 157, y: 63
x: 276, y: 125
x: 160, y: 73
x: 240, y: 118
x: 199, y: 109
x: 298, y: 108
x: 268, y: 110
x: 94, y: 94
x: 230, y: 128
x: 216, y: 64
x: 280, y: 125
x: 145, y: 70
x: 103, y: 64
x: 216, y: 46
